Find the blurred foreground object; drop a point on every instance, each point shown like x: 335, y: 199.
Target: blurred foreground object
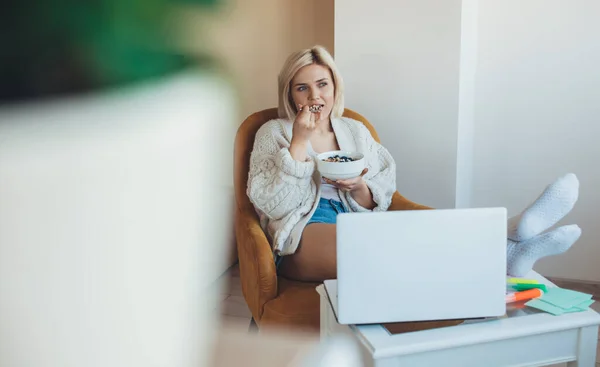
x: 115, y: 185
x: 65, y: 47
x: 281, y: 348
x: 114, y: 214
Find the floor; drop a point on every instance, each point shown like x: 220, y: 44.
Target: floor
x: 232, y: 303
x: 234, y: 309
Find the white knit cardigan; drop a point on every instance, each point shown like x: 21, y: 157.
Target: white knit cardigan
x: 286, y: 192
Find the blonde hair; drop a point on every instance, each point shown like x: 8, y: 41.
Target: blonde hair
x: 315, y: 55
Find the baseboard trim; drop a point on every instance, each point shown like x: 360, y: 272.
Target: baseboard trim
x: 571, y: 280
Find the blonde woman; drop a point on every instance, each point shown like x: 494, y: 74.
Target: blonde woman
x: 298, y: 208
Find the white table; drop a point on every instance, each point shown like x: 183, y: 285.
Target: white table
x: 527, y: 337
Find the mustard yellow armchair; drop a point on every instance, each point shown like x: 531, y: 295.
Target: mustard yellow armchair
x: 272, y: 299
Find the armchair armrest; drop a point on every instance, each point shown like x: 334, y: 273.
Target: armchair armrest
x: 257, y: 266
x: 399, y: 202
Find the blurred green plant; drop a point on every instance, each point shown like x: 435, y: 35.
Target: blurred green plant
x: 58, y: 47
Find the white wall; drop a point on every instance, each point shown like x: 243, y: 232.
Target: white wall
x: 253, y: 39
x: 483, y: 103
x: 400, y: 62
x: 537, y: 114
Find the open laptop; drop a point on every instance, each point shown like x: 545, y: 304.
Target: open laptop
x: 402, y: 266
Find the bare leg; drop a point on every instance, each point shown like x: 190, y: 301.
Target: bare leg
x: 315, y: 259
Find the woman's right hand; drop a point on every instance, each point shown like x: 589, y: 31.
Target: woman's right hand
x: 304, y: 125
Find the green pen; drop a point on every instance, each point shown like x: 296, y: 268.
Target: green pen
x: 524, y: 287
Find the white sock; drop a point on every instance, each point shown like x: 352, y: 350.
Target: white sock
x: 521, y: 256
x: 551, y: 206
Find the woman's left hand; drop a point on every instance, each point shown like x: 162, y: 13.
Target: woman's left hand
x: 352, y: 184
x: 357, y: 187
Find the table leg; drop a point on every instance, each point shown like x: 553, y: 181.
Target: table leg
x: 586, y: 348
x: 324, y: 304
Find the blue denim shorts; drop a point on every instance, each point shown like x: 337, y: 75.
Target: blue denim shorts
x: 327, y: 211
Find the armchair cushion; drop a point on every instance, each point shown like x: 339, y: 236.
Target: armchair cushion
x: 399, y: 202
x: 296, y: 306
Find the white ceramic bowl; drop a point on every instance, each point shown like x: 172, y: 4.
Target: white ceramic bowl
x: 341, y: 170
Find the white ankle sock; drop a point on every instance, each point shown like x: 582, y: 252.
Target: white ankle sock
x: 521, y: 256
x: 551, y: 206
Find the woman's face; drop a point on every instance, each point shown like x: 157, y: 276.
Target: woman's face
x: 313, y: 85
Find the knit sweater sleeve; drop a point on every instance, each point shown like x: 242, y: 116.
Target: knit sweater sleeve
x: 381, y: 177
x: 277, y: 183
